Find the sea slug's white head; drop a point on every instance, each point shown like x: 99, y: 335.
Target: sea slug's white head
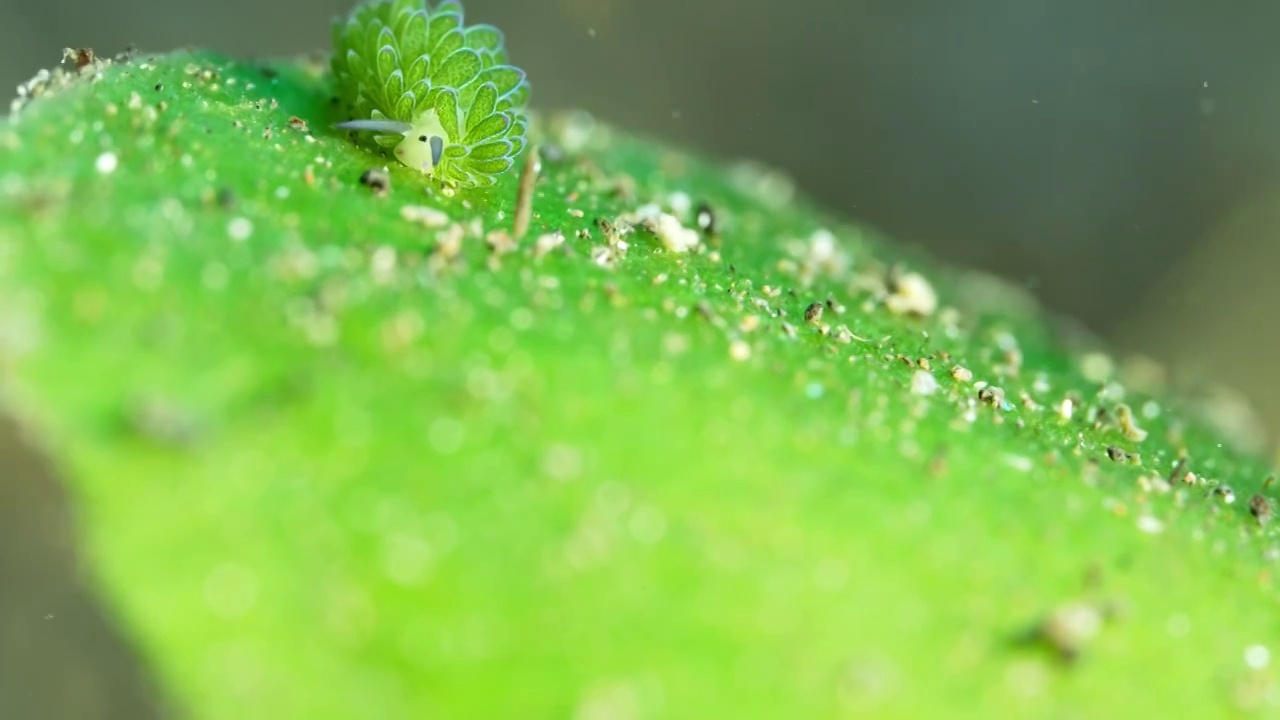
x: 423, y: 143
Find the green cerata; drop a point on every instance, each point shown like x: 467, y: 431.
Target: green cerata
x: 438, y: 93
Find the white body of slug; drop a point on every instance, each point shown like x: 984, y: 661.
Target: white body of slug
x: 423, y: 143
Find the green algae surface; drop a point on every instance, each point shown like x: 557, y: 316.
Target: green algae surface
x: 691, y: 447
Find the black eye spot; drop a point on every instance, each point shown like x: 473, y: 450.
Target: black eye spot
x: 422, y: 138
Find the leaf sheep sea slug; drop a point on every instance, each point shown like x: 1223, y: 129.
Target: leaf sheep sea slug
x: 441, y: 94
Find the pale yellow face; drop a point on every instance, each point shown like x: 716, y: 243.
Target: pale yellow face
x: 423, y: 143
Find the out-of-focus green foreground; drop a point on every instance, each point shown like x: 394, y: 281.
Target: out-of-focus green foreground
x: 341, y: 453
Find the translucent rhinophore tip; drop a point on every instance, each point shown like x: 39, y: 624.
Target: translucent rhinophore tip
x: 390, y: 127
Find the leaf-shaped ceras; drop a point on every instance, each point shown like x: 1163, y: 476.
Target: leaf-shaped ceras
x: 440, y: 94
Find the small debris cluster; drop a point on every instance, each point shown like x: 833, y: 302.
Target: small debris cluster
x: 77, y: 64
x: 1070, y: 627
x: 666, y: 227
x: 377, y: 179
x: 911, y: 294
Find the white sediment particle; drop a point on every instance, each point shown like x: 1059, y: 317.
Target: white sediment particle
x: 912, y: 294
x: 603, y: 256
x: 383, y: 264
x: 448, y: 245
x: 1150, y: 410
x: 575, y: 131
x: 1097, y: 367
x: 923, y: 383
x: 680, y: 203
x: 1066, y: 408
x: 106, y: 163
x: 1149, y: 524
x: 1071, y: 625
x: 1021, y: 463
x: 819, y: 256
x: 240, y: 228
x: 674, y: 236
x: 548, y: 242
x: 426, y: 216
x: 648, y: 211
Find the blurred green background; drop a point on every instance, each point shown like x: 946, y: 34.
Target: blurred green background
x: 1121, y: 161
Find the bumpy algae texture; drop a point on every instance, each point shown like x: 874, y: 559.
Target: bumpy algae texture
x: 342, y: 445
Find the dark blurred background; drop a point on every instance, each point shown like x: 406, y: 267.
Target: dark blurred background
x: 1120, y: 160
